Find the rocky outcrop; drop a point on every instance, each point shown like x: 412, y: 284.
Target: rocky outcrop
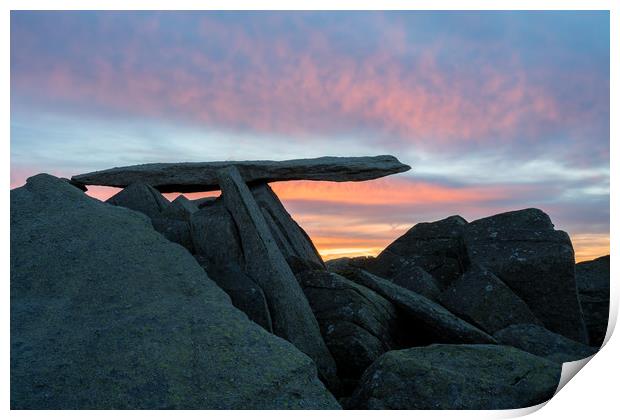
x: 180, y: 209
x: 290, y: 237
x: 593, y: 287
x: 435, y: 247
x: 428, y: 321
x: 291, y: 315
x: 106, y: 313
x: 356, y: 322
x: 202, y: 176
x: 482, y: 299
x: 542, y: 342
x: 456, y: 377
x: 535, y: 261
x: 141, y: 197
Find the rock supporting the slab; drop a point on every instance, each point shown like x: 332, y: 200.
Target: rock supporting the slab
x: 202, y: 176
x: 107, y: 314
x: 291, y: 315
x: 593, y: 287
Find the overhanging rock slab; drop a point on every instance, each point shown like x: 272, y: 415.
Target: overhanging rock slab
x: 202, y: 176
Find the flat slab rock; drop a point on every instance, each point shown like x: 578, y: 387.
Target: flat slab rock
x: 107, y: 314
x: 202, y: 176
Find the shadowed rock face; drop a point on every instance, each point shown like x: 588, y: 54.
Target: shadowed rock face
x: 291, y: 238
x: 106, y: 313
x: 479, y: 297
x: 593, y: 286
x: 356, y: 322
x: 536, y: 261
x: 291, y: 315
x: 195, y: 177
x: 427, y: 318
x: 436, y: 247
x: 542, y: 342
x: 456, y: 377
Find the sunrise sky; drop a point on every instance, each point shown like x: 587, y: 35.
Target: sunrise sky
x: 494, y: 111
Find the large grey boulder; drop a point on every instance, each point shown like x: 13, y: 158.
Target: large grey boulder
x: 356, y: 322
x: 429, y: 321
x: 140, y: 197
x: 535, y: 261
x: 436, y: 247
x: 290, y: 237
x: 291, y: 315
x: 593, y: 287
x: 479, y: 297
x: 177, y: 231
x: 542, y: 342
x: 456, y: 377
x: 107, y: 314
x: 202, y: 176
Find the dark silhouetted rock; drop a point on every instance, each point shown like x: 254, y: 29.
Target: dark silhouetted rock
x: 202, y: 176
x: 479, y: 297
x: 542, y: 342
x: 291, y: 238
x: 355, y: 321
x: 76, y: 184
x: 180, y: 209
x: 432, y: 322
x: 456, y: 377
x: 215, y: 236
x: 203, y: 202
x: 535, y: 261
x: 343, y: 263
x: 177, y: 231
x: 435, y: 247
x: 593, y: 287
x: 142, y: 198
x: 107, y: 314
x: 244, y: 293
x: 291, y: 315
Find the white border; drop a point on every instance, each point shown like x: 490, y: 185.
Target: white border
x: 592, y: 394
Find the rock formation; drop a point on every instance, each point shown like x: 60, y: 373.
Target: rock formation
x: 106, y: 313
x: 202, y: 176
x: 593, y: 287
x: 224, y: 302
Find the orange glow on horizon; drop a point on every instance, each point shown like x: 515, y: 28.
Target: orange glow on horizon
x: 338, y: 236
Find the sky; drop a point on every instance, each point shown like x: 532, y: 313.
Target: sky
x: 494, y: 111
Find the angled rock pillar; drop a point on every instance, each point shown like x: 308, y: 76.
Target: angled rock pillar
x: 292, y: 317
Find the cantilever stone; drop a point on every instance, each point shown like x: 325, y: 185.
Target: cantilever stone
x: 202, y: 176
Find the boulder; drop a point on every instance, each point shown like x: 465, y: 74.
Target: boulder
x: 291, y: 238
x: 356, y: 323
x: 244, y: 293
x: 435, y: 247
x: 177, y: 231
x: 593, y: 287
x: 107, y: 314
x: 215, y: 236
x: 482, y: 299
x: 180, y: 209
x: 202, y: 176
x: 542, y: 342
x: 203, y: 202
x: 535, y: 261
x: 141, y: 197
x: 291, y: 315
x: 456, y: 377
x: 429, y: 322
